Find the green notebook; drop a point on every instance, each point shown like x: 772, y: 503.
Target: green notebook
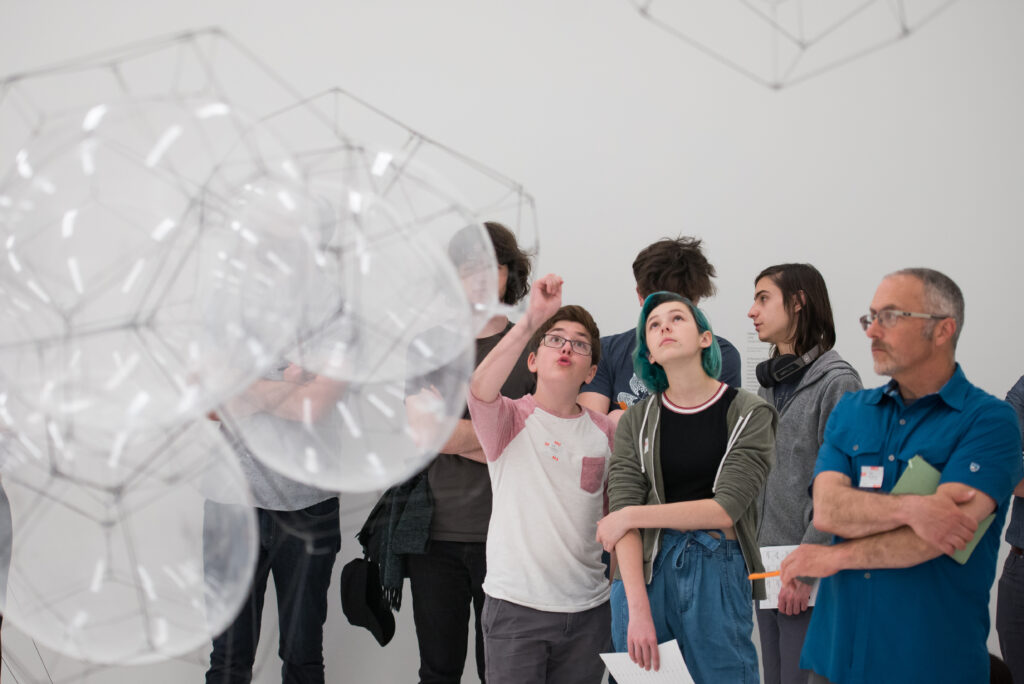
x: 921, y: 478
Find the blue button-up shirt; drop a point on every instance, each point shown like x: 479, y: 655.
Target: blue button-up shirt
x: 928, y: 623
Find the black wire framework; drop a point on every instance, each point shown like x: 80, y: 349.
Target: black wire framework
x: 434, y: 186
x: 794, y: 45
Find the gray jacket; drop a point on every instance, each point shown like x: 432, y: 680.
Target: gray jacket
x: 786, y: 504
x: 634, y: 474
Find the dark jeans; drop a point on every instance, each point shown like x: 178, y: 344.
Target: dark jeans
x: 1010, y: 615
x: 298, y: 547
x: 445, y: 581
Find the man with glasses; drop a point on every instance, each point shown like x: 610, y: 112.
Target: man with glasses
x: 546, y: 615
x: 896, y: 607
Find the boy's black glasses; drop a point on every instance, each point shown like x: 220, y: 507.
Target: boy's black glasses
x: 557, y: 342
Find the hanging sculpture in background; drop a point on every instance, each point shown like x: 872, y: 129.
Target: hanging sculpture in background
x: 779, y: 43
x: 185, y: 238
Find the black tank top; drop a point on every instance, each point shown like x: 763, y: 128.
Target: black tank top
x: 693, y: 441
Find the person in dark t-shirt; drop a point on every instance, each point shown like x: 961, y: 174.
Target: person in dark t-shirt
x: 448, y: 578
x: 675, y: 265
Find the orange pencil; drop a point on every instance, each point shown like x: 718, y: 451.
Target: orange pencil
x: 764, y: 575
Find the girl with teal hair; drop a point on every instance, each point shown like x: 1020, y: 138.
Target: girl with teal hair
x: 688, y: 464
x: 651, y: 373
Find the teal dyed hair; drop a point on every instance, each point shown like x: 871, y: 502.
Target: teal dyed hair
x: 652, y: 374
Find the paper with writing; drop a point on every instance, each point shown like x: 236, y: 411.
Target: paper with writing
x: 672, y: 668
x: 772, y: 557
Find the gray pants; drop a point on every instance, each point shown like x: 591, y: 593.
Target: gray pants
x: 818, y: 679
x: 527, y: 646
x: 782, y: 639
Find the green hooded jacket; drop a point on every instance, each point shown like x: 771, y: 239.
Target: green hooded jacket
x: 634, y: 474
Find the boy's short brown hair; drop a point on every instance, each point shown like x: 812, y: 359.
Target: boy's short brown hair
x: 674, y: 265
x: 573, y: 314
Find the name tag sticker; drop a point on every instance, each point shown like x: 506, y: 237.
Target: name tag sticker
x: 871, y: 477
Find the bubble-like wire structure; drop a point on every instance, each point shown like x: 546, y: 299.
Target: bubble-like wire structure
x: 780, y: 43
x: 400, y: 349
x: 183, y: 236
x: 110, y: 564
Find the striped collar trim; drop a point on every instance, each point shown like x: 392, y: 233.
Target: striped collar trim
x: 694, y: 409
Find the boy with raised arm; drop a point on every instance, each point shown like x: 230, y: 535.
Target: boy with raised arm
x: 546, y: 616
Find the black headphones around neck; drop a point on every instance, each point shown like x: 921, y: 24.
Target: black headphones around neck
x: 771, y: 372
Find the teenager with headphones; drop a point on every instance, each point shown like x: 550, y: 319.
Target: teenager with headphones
x: 803, y: 379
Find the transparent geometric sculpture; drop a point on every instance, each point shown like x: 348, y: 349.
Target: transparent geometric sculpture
x: 152, y: 254
x: 154, y: 244
x: 325, y: 252
x: 333, y: 414
x: 779, y: 43
x: 110, y: 555
x: 28, y: 662
x: 350, y: 147
x: 416, y: 278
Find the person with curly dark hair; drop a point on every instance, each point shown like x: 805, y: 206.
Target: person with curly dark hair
x: 672, y: 265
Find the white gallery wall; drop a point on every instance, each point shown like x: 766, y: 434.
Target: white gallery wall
x: 912, y: 155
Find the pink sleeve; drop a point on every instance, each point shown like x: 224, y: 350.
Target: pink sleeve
x: 496, y: 423
x: 605, y: 424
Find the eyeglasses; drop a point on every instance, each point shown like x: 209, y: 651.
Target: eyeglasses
x: 887, y: 317
x: 557, y: 342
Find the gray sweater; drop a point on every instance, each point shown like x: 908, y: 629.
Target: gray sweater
x: 786, y: 504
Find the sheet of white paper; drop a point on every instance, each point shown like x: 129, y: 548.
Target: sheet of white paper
x: 772, y: 557
x: 754, y: 352
x: 671, y: 668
